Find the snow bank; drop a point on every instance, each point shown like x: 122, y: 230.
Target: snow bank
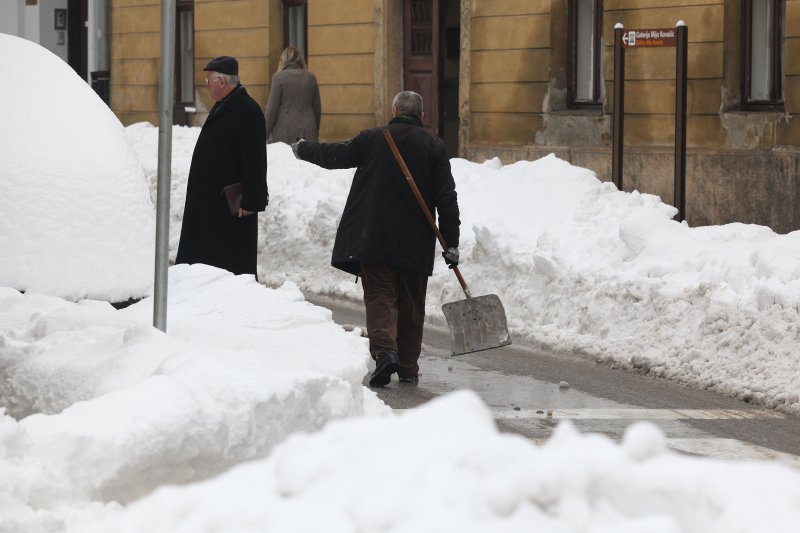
x: 414, y: 473
x: 582, y: 267
x: 100, y: 407
x: 579, y: 266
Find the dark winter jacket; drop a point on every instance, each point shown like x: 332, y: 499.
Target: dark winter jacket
x: 382, y: 221
x: 293, y: 108
x: 231, y: 148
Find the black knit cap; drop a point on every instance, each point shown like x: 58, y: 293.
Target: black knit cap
x: 224, y: 65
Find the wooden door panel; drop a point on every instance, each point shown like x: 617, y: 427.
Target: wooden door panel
x: 422, y: 82
x: 421, y: 56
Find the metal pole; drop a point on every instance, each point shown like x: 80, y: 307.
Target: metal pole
x: 165, y: 104
x: 680, y: 118
x: 618, y: 122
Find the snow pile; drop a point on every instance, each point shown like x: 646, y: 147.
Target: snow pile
x: 109, y: 412
x: 100, y: 407
x: 413, y: 473
x: 232, y: 422
x: 579, y: 266
x: 76, y: 219
x: 583, y: 267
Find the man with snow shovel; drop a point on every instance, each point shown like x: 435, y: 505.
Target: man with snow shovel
x: 384, y: 237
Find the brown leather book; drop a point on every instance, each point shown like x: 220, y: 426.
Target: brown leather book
x: 233, y: 194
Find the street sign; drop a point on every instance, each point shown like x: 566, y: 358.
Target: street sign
x: 649, y: 38
x: 677, y: 38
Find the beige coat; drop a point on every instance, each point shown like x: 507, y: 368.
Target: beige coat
x: 293, y: 108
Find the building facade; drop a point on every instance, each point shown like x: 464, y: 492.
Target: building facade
x: 517, y: 79
x: 74, y: 30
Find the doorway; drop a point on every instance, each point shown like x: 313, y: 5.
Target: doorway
x: 77, y: 36
x: 449, y: 65
x: 431, y: 46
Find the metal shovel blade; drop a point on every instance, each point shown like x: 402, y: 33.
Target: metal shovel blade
x: 477, y: 323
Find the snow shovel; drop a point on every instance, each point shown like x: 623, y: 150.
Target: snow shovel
x: 477, y: 323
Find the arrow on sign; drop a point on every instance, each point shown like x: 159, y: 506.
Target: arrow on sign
x: 625, y: 38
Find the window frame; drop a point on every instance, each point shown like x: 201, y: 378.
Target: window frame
x: 776, y: 70
x: 572, y: 57
x: 182, y: 6
x: 295, y: 3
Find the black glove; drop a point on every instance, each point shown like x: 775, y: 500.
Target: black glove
x: 296, y: 145
x: 451, y: 257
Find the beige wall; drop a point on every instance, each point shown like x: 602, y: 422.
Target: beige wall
x: 789, y: 129
x: 509, y: 55
x: 344, y: 40
x: 341, y: 50
x: 516, y: 52
x: 650, y: 72
x: 135, y: 51
x: 517, y: 81
x: 742, y: 165
x: 240, y: 28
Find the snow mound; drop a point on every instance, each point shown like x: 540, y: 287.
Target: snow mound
x: 414, y: 473
x: 75, y: 217
x: 98, y: 408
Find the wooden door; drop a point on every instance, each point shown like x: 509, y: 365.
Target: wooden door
x: 421, y: 56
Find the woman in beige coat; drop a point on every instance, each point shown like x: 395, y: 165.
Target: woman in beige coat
x: 293, y: 108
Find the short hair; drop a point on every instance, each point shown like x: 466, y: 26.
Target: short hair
x: 291, y: 56
x: 230, y: 79
x: 408, y: 103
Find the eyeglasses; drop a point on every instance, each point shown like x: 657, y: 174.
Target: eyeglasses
x: 212, y: 79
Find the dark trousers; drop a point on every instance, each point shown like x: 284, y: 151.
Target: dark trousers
x: 395, y: 304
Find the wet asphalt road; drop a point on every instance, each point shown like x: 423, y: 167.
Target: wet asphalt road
x: 530, y: 392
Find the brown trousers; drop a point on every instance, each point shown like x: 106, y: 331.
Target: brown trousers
x: 395, y: 305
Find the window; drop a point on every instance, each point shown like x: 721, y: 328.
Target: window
x: 762, y: 52
x: 295, y: 24
x: 585, y: 31
x: 184, y: 52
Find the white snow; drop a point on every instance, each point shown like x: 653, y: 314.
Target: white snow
x: 415, y: 474
x: 249, y: 414
x: 76, y: 218
x: 579, y: 266
x: 106, y: 408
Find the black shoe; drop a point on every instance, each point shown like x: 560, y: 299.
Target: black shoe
x: 386, y: 364
x: 380, y: 380
x: 412, y: 381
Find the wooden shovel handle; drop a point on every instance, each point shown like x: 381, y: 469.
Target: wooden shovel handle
x: 422, y: 204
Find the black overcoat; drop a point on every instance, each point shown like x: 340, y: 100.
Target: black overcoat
x: 382, y: 221
x: 231, y: 148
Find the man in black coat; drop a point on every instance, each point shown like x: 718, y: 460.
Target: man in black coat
x: 231, y: 149
x: 384, y: 236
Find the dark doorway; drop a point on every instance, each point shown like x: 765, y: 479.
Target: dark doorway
x: 431, y: 59
x: 449, y: 65
x: 77, y: 36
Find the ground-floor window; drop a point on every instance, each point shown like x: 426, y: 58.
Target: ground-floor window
x: 184, y: 52
x: 295, y: 24
x: 762, y: 47
x: 585, y: 30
